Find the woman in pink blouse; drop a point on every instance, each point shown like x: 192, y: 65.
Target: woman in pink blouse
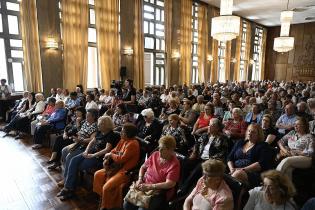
x: 159, y: 172
x: 211, y: 191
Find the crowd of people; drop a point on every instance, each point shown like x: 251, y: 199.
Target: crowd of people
x: 182, y: 139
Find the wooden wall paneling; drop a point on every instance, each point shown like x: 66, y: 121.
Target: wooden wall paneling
x: 51, y: 59
x: 127, y: 18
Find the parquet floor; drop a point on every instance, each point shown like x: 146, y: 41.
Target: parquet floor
x: 25, y: 182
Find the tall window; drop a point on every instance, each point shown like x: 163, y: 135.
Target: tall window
x: 243, y: 51
x: 93, y: 69
x: 11, y: 51
x: 256, y: 67
x: 194, y: 49
x: 93, y: 80
x: 154, y: 42
x: 221, y: 63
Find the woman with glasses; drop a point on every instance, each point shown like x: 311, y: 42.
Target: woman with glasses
x: 211, y: 191
x: 296, y: 148
x: 275, y: 194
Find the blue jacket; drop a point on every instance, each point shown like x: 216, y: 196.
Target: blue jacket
x: 249, y: 116
x: 57, y: 118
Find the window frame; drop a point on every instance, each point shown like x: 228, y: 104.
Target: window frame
x: 6, y: 36
x: 195, y: 44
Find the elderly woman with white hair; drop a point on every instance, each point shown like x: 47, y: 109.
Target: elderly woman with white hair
x: 235, y: 127
x: 148, y: 128
x: 103, y: 142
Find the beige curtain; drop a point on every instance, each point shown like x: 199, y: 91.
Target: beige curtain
x: 168, y: 40
x: 262, y: 55
x: 227, y: 60
x: 31, y: 49
x: 185, y: 42
x: 214, y: 63
x: 236, y: 65
x: 138, y: 46
x: 202, y: 41
x: 248, y: 49
x: 75, y: 42
x: 107, y: 16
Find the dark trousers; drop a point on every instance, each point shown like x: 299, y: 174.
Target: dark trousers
x: 59, y: 144
x: 40, y: 132
x: 157, y: 202
x: 193, y: 171
x: 13, y: 123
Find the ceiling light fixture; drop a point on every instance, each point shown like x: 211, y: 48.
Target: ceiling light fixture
x: 226, y: 26
x: 284, y: 43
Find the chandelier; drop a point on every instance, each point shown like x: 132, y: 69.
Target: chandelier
x: 227, y: 26
x: 284, y: 43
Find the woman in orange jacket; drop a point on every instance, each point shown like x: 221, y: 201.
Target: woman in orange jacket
x: 125, y: 155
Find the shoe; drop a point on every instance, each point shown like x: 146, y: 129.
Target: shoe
x: 54, y: 166
x: 63, y: 192
x: 61, y: 183
x: 67, y: 196
x: 37, y: 146
x: 19, y: 136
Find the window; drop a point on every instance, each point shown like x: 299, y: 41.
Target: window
x: 11, y: 51
x: 194, y: 49
x: 256, y: 67
x: 221, y: 61
x: 154, y: 42
x: 243, y: 51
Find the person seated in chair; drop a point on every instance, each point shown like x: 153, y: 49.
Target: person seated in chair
x: 201, y: 125
x: 109, y: 182
x: 213, y: 145
x: 276, y: 193
x: 235, y: 127
x: 159, y: 173
x: 103, y: 142
x: 296, y: 148
x: 211, y: 191
x: 55, y: 121
x: 250, y: 157
x: 149, y: 129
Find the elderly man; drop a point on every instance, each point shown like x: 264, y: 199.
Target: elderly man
x: 285, y: 123
x: 302, y: 111
x: 199, y: 106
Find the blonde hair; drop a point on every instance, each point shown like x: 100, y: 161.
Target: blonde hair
x: 168, y: 141
x: 173, y: 117
x: 107, y: 121
x: 238, y: 111
x: 213, y: 168
x: 260, y: 132
x: 282, y: 181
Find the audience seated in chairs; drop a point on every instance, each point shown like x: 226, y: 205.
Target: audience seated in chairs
x: 103, y: 142
x: 211, y: 191
x: 70, y: 132
x: 90, y: 103
x: 255, y: 115
x: 172, y: 109
x: 30, y: 103
x: 199, y: 106
x: 157, y: 178
x: 187, y: 116
x: 120, y: 116
x: 235, y: 127
x: 250, y: 157
x: 55, y: 121
x: 285, y: 123
x: 296, y: 148
x: 110, y: 181
x: 276, y: 193
x: 270, y: 133
x: 10, y: 114
x: 83, y: 138
x: 201, y: 125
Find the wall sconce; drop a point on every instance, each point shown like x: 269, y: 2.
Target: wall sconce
x: 51, y: 44
x: 233, y: 60
x: 127, y: 51
x: 175, y: 55
x: 210, y: 58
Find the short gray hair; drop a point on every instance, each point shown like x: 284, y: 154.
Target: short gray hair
x: 148, y: 112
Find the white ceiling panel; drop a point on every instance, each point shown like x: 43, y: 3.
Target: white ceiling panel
x: 267, y: 12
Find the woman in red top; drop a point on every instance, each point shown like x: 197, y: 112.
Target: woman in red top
x: 159, y: 172
x: 201, y: 125
x: 235, y: 127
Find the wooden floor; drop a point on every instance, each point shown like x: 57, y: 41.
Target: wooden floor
x: 25, y: 182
